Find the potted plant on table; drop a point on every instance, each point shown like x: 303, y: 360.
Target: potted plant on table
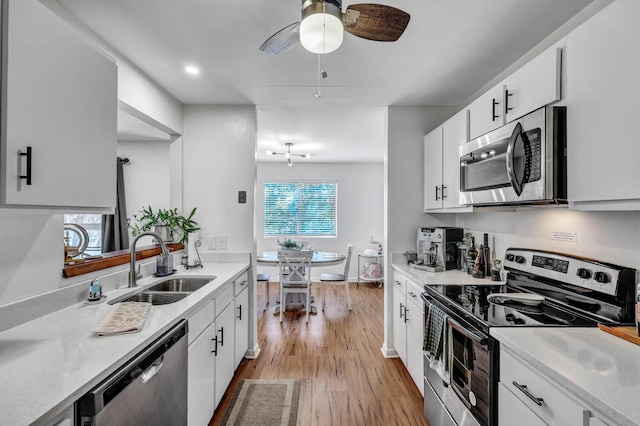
x: 169, y: 224
x: 289, y: 244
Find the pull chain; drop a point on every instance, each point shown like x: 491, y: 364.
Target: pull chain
x: 318, y: 91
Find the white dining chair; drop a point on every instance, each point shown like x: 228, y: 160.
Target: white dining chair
x: 338, y: 279
x: 295, y: 277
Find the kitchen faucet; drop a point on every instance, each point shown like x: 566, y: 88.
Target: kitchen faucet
x: 132, y: 270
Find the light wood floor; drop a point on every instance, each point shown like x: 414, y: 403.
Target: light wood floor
x: 337, y: 356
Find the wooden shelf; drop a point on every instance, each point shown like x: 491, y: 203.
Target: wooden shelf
x: 629, y: 334
x: 114, y: 259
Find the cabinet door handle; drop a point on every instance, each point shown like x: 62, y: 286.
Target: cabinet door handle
x: 437, y: 189
x: 221, y: 331
x: 442, y: 192
x: 215, y: 346
x: 28, y: 164
x: 240, y: 313
x: 401, y: 309
x: 524, y: 390
x: 507, y: 108
x: 405, y: 314
x: 495, y: 103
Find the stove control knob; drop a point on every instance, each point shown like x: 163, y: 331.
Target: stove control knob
x: 602, y: 277
x: 520, y: 259
x: 510, y: 257
x: 584, y: 273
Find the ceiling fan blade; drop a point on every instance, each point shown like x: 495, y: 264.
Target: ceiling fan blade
x: 282, y: 40
x: 377, y: 22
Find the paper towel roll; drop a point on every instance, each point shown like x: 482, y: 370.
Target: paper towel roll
x: 191, y: 248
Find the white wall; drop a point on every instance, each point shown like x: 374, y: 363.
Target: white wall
x: 219, y: 148
x: 360, y: 207
x: 608, y: 236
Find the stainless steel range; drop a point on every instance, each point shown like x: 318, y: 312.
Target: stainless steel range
x: 543, y: 289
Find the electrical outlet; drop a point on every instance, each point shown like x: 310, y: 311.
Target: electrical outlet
x: 221, y: 242
x: 211, y: 242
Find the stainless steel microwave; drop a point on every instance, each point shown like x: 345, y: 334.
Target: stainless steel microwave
x: 522, y: 162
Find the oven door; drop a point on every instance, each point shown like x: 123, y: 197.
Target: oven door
x: 506, y: 166
x: 462, y: 400
x: 470, y: 369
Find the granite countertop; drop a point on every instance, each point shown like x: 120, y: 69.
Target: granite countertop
x: 588, y: 363
x: 48, y: 363
x: 450, y: 277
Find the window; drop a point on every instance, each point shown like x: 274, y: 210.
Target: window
x: 93, y: 224
x: 300, y: 208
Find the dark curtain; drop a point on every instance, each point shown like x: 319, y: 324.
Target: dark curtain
x: 115, y: 233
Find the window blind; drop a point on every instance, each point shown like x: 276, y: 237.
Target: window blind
x: 300, y: 208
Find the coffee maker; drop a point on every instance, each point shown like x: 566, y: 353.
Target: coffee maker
x: 437, y: 248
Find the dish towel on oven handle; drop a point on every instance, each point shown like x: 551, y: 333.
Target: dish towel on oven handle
x: 437, y: 342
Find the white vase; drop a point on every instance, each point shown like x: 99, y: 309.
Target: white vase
x: 165, y: 233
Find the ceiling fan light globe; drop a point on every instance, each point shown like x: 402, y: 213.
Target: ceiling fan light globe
x: 321, y: 33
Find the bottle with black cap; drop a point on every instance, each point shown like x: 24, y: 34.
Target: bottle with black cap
x: 487, y: 256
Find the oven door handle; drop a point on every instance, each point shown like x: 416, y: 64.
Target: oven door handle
x: 479, y: 339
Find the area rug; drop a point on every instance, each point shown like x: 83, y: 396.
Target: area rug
x: 264, y: 402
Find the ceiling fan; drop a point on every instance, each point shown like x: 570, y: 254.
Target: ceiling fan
x: 323, y: 24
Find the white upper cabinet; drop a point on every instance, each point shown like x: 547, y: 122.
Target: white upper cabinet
x: 433, y: 169
x: 60, y: 103
x: 602, y: 118
x: 536, y: 84
x: 486, y: 112
x: 442, y: 165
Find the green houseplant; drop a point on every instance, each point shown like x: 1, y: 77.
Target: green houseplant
x: 166, y: 223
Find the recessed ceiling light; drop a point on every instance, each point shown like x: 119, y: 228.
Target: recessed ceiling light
x: 192, y: 70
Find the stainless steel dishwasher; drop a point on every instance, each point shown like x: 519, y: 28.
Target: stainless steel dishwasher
x: 150, y: 389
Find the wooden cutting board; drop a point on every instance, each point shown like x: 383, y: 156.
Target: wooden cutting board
x: 627, y: 333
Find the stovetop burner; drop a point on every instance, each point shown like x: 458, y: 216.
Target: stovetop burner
x: 576, y: 291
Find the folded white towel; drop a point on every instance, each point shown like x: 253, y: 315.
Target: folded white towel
x: 127, y: 317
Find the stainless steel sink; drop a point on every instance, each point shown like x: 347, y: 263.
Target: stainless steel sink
x: 168, y: 291
x: 187, y: 284
x: 155, y: 298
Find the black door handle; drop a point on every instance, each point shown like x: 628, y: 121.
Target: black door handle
x: 29, y: 156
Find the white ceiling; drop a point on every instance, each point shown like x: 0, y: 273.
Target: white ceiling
x: 449, y: 51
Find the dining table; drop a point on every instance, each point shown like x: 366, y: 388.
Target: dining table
x: 319, y: 259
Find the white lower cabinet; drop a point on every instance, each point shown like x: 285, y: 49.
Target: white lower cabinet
x: 218, y: 339
x: 224, y: 355
x: 200, y: 391
x: 408, y: 326
x: 399, y: 325
x: 415, y: 335
x: 242, y: 324
x: 527, y: 397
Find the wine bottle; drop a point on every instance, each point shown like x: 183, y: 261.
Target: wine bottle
x: 487, y: 256
x: 472, y: 253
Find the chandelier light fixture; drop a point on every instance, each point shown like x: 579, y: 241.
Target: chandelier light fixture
x: 288, y: 154
x: 321, y: 28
